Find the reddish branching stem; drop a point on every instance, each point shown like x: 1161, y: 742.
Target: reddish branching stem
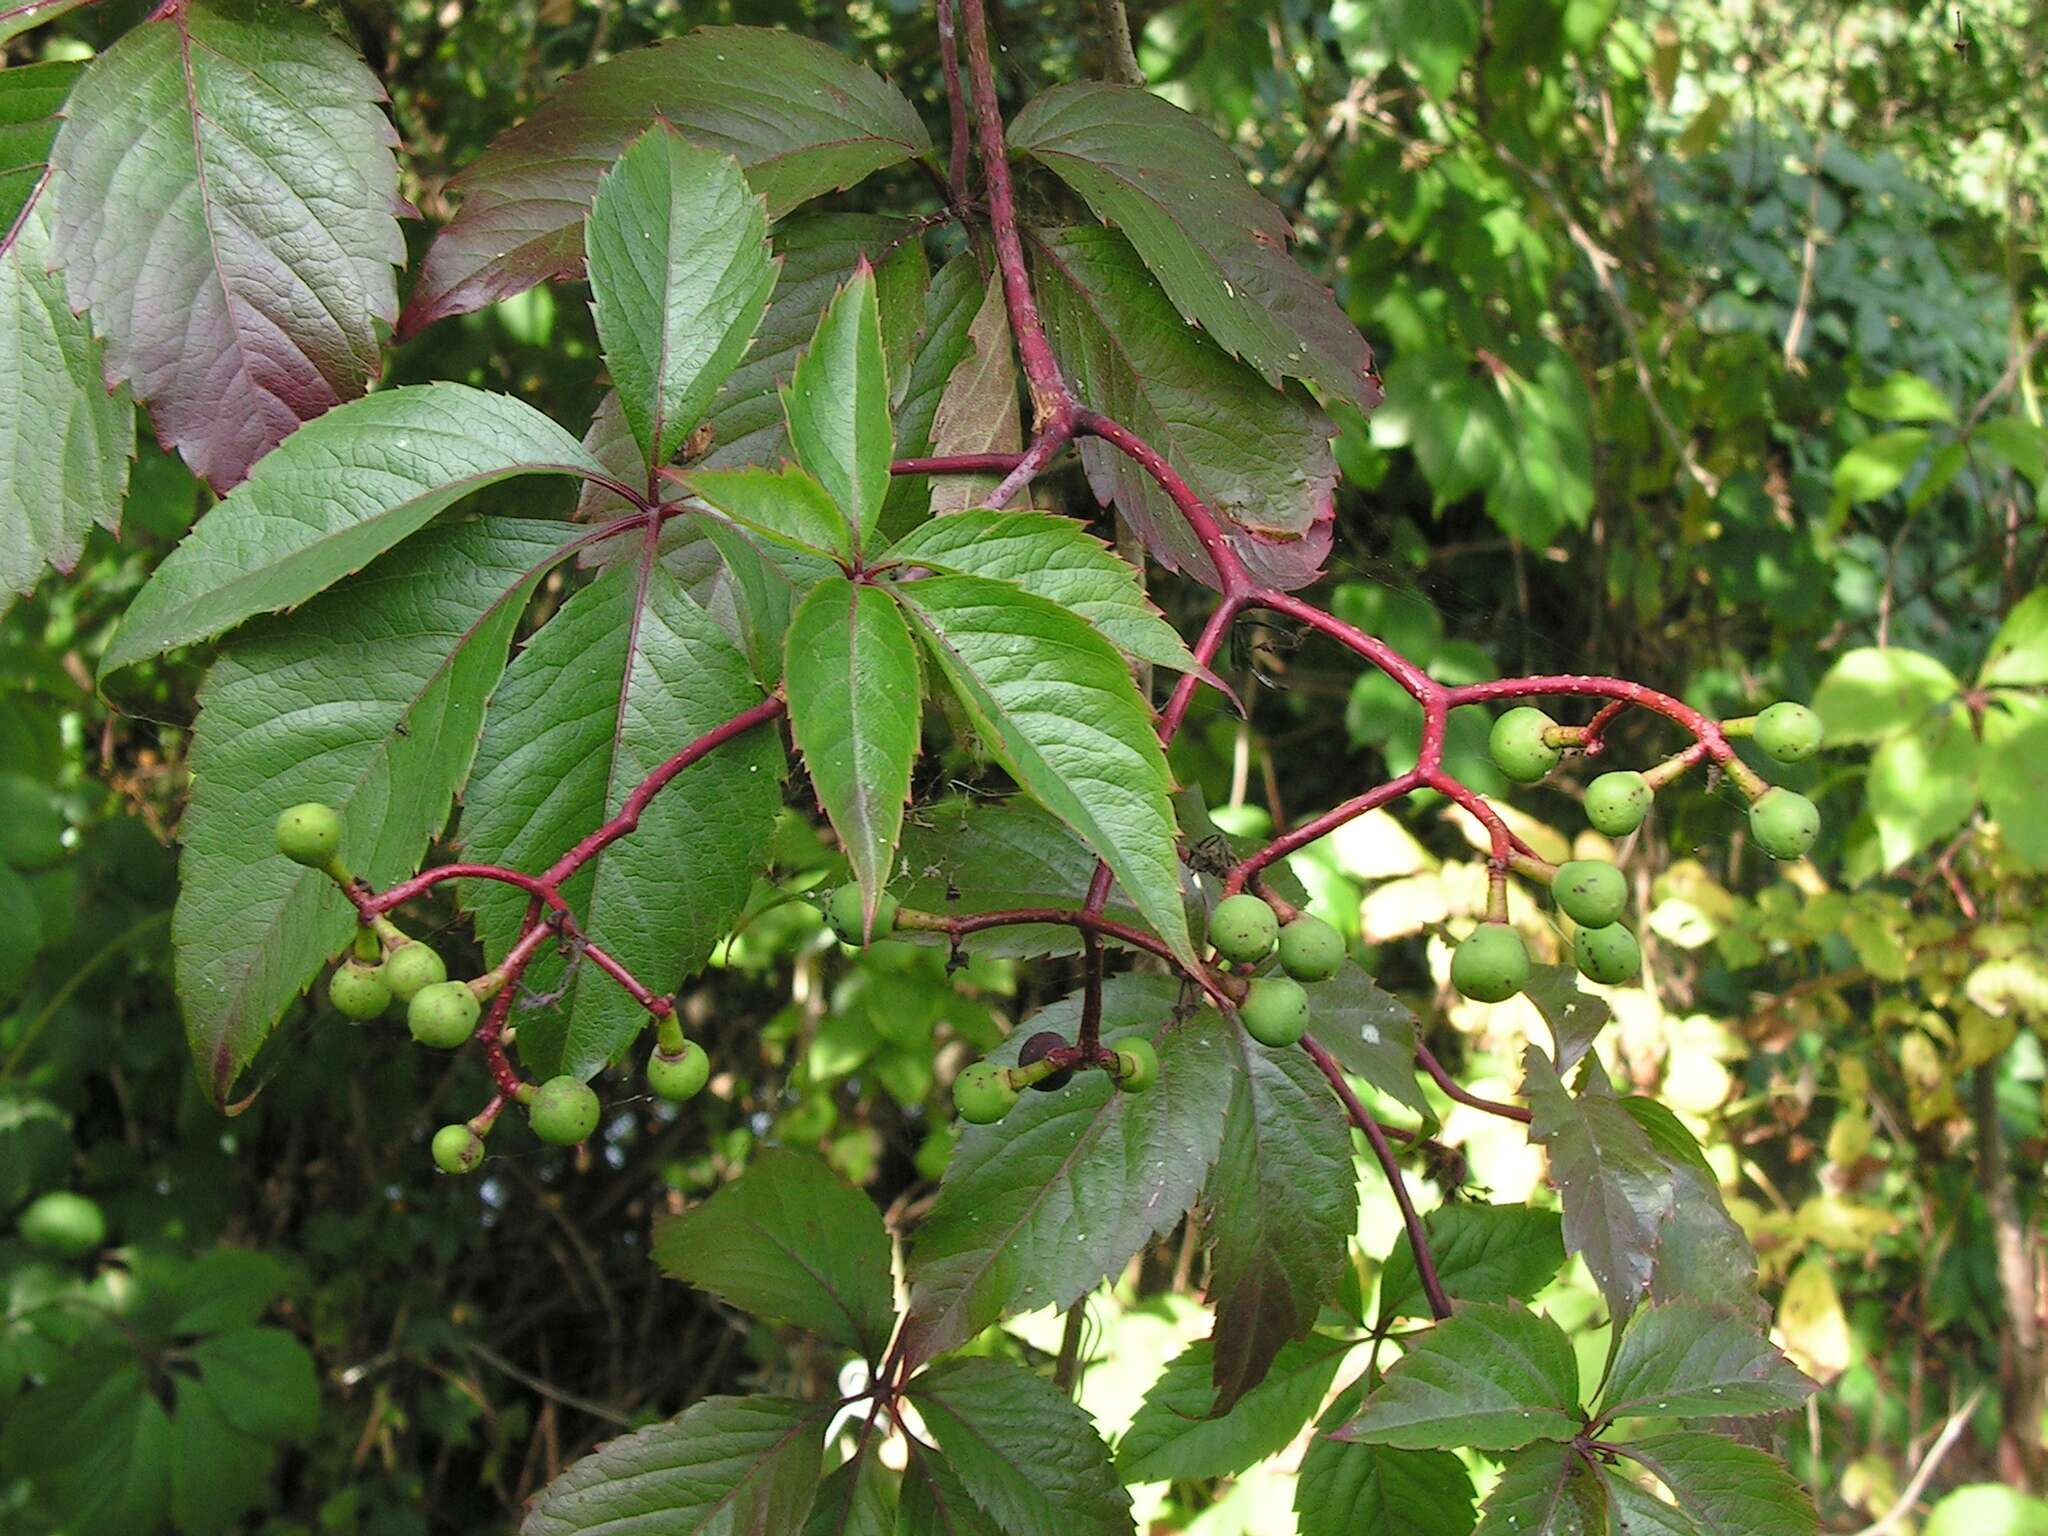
x: 1459, y: 1094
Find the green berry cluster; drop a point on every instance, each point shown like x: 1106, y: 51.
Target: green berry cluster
x: 983, y: 1092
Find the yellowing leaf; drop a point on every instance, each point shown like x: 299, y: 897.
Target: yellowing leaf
x: 1811, y: 1327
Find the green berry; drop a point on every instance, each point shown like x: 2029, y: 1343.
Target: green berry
x: 1610, y: 955
x: 1243, y: 928
x: 845, y: 915
x: 563, y: 1111
x: 1518, y: 747
x: 63, y: 1223
x: 1616, y: 803
x: 1785, y: 823
x: 443, y: 1015
x: 458, y: 1149
x: 1492, y: 965
x: 1275, y: 1011
x: 411, y: 967
x: 681, y: 1076
x: 309, y: 834
x: 358, y: 991
x: 1789, y: 733
x: 1310, y: 949
x: 1137, y: 1065
x: 1591, y: 892
x: 983, y: 1094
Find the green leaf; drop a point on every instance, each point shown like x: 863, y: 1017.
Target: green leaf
x: 66, y: 468
x: 345, y: 489
x: 1021, y: 1447
x: 1704, y: 1255
x: 2013, y: 771
x: 791, y: 1241
x: 957, y: 293
x: 2018, y: 654
x: 1575, y: 1017
x: 2020, y: 443
x: 1902, y: 397
x: 962, y: 857
x: 785, y: 506
x: 1667, y: 1133
x: 262, y: 1381
x: 1482, y: 1253
x: 1436, y: 39
x: 1618, y: 1192
x: 1923, y: 784
x: 628, y: 673
x: 1871, y: 693
x: 856, y: 1500
x: 35, y: 1147
x: 819, y: 254
x: 1215, y: 245
x: 1370, y: 1033
x: 228, y: 1288
x: 98, y: 1446
x: 1282, y: 1204
x: 727, y: 1466
x: 218, y: 1474
x: 1875, y: 467
x: 977, y: 410
x: 1987, y: 1509
x: 766, y: 581
x: 1058, y: 559
x: 935, y: 1504
x: 1634, y: 1511
x: 1269, y: 476
x: 1038, y: 1209
x: 837, y: 402
x: 21, y: 15
x: 800, y: 118
x: 369, y: 699
x: 1347, y: 1489
x: 1174, y: 1435
x: 1544, y: 1490
x: 1681, y: 1360
x: 227, y: 214
x: 1055, y: 705
x: 1492, y: 1376
x: 854, y: 709
x: 1725, y: 1488
x: 679, y: 279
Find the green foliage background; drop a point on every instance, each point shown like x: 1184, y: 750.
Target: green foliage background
x: 1712, y: 344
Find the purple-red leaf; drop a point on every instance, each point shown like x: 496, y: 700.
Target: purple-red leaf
x: 226, y: 208
x: 800, y: 118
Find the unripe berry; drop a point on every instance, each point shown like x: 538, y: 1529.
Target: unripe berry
x: 443, y: 1015
x: 1275, y: 1011
x: 843, y: 912
x: 1137, y: 1065
x: 1610, y: 955
x: 1616, y: 803
x: 1591, y: 892
x: 309, y: 834
x: 458, y: 1149
x: 1492, y: 965
x: 1310, y: 949
x: 358, y: 991
x: 1036, y: 1049
x: 982, y: 1094
x: 1518, y: 747
x: 1789, y: 733
x: 1784, y: 823
x: 411, y: 967
x: 563, y: 1111
x: 63, y: 1223
x: 1243, y: 928
x: 681, y: 1076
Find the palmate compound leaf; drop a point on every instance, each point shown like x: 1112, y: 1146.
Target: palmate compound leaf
x: 1215, y: 245
x: 792, y: 1241
x: 247, y: 145
x: 729, y: 1466
x: 1023, y: 1449
x: 1280, y: 1206
x: 1055, y: 705
x: 340, y: 492
x: 800, y: 118
x: 1260, y: 457
x: 855, y: 706
x: 1058, y: 559
x: 679, y: 279
x: 369, y: 699
x: 1680, y: 1360
x: 1493, y: 1376
x: 1037, y: 1209
x: 624, y: 676
x: 66, y: 439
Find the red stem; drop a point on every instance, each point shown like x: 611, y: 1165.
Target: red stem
x: 956, y: 111
x: 958, y: 464
x: 1458, y: 1094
